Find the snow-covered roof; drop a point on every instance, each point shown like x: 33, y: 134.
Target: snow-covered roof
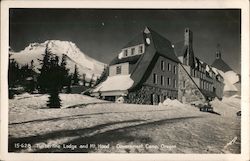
x: 120, y: 55
x: 215, y: 71
x: 115, y: 83
x: 207, y: 68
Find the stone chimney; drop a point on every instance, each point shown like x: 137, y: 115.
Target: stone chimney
x: 188, y: 57
x: 188, y: 37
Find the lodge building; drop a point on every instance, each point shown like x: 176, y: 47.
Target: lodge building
x: 148, y: 70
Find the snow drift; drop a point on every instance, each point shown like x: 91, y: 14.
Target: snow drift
x: 86, y: 65
x: 230, y: 78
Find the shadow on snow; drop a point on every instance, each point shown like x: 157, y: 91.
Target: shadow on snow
x: 113, y: 136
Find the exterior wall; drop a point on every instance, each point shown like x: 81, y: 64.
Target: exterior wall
x: 124, y: 69
x: 150, y: 95
x: 188, y: 91
x: 218, y: 87
x: 202, y: 80
x: 128, y: 51
x: 165, y: 73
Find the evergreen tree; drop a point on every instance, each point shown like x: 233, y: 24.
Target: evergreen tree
x: 103, y: 76
x: 13, y: 73
x: 54, y: 100
x: 76, y: 76
x: 64, y: 71
x: 91, y: 81
x: 84, y: 79
x: 53, y: 76
x: 42, y: 79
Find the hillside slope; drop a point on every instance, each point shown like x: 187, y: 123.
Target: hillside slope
x: 34, y: 51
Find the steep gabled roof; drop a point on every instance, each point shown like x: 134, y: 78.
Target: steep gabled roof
x: 130, y: 60
x: 139, y: 39
x: 179, y: 48
x: 163, y: 46
x: 221, y: 65
x: 158, y: 46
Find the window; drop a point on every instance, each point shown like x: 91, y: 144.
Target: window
x: 162, y: 65
x: 158, y: 99
x: 155, y: 78
x: 125, y: 52
x: 162, y: 80
x: 118, y: 70
x: 192, y: 72
x: 175, y: 85
x: 132, y: 51
x: 169, y: 81
x: 184, y: 84
x: 169, y: 67
x: 175, y: 70
x: 140, y: 49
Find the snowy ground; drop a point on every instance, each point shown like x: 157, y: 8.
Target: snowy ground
x: 128, y: 128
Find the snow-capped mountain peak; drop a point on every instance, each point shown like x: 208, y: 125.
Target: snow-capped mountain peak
x: 34, y: 51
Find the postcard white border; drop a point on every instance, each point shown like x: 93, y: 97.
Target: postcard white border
x: 171, y: 4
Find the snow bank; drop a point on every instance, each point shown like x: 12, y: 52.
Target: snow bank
x: 120, y: 100
x: 227, y: 106
x: 169, y: 102
x: 115, y: 83
x: 230, y: 78
x: 28, y: 101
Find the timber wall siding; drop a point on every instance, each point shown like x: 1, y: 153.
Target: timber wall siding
x: 124, y: 69
x: 166, y: 73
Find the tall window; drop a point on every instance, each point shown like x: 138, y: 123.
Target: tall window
x: 118, y: 70
x: 132, y: 51
x: 140, y: 49
x: 184, y: 84
x: 162, y: 65
x: 175, y: 85
x: 162, y: 80
x: 125, y: 52
x: 175, y: 69
x: 169, y: 67
x: 169, y: 81
x: 155, y: 78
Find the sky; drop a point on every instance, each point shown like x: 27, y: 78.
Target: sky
x: 101, y: 33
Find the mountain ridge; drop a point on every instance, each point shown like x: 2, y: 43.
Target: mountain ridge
x: 74, y: 56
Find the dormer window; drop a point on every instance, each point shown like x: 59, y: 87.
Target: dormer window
x: 133, y: 51
x: 125, y: 52
x: 140, y: 49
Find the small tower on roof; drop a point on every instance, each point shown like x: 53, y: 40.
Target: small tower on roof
x: 219, y: 63
x: 218, y: 52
